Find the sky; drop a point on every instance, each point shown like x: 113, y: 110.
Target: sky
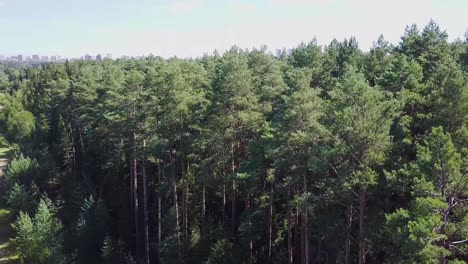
x: 190, y: 28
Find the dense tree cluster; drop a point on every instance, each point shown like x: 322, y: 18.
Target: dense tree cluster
x: 329, y: 155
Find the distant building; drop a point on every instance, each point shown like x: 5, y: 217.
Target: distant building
x: 99, y: 57
x: 20, y: 58
x: 2, y: 57
x: 109, y: 56
x: 88, y: 57
x: 278, y: 53
x: 44, y: 58
x: 289, y: 52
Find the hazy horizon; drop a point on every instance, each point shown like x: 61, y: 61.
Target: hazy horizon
x: 190, y: 28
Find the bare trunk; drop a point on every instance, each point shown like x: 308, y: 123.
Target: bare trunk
x: 132, y: 201
x: 233, y: 211
x: 233, y: 195
x: 186, y: 201
x: 362, y: 215
x: 270, y: 224
x: 159, y: 202
x: 290, y: 249
x: 145, y: 209
x: 184, y: 206
x: 297, y: 238
x: 135, y: 196
x: 174, y: 191
x: 224, y: 202
x: 247, y: 205
x: 349, y: 222
x: 305, y: 225
x: 158, y: 248
x: 301, y: 228
x: 203, y: 220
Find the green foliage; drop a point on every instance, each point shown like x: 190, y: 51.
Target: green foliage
x: 20, y: 125
x: 221, y: 252
x: 425, y: 231
x: 248, y: 158
x: 114, y: 252
x: 39, y: 239
x: 19, y: 198
x: 22, y: 170
x: 91, y: 229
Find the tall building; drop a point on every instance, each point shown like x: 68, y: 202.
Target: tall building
x: 35, y: 57
x: 44, y: 58
x: 88, y: 57
x: 278, y: 53
x: 2, y: 57
x: 20, y: 58
x: 99, y: 57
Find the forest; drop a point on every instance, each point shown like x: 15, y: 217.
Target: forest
x: 330, y: 154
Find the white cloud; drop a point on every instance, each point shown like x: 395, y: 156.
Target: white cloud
x: 184, y: 6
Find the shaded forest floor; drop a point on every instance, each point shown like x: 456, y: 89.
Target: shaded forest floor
x: 6, y: 251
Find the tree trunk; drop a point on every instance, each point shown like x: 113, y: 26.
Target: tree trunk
x: 233, y: 195
x: 349, y: 222
x: 203, y: 218
x: 247, y: 206
x: 305, y: 223
x: 174, y: 191
x: 301, y: 228
x: 132, y: 183
x: 159, y: 202
x: 290, y: 248
x: 186, y: 201
x: 298, y: 238
x: 145, y: 209
x: 270, y: 224
x: 362, y: 215
x: 233, y: 211
x: 224, y: 199
x: 135, y: 197
x: 158, y: 248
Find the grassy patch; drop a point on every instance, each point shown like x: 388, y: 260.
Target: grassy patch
x: 4, y: 216
x: 4, y: 152
x: 6, y: 248
x: 10, y: 258
x: 5, y: 245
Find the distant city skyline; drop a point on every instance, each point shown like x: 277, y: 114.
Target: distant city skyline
x: 190, y: 28
x: 53, y: 58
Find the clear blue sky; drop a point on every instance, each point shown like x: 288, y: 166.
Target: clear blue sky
x: 191, y: 27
